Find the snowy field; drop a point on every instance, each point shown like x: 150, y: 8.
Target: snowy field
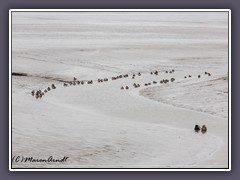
x: 99, y: 125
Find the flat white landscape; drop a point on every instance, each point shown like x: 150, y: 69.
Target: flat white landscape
x: 101, y: 126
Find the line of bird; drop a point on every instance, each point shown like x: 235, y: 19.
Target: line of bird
x: 99, y: 80
x: 199, y: 76
x: 38, y: 94
x: 156, y: 72
x: 148, y: 84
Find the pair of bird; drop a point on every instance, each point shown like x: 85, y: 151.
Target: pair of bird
x: 203, y: 129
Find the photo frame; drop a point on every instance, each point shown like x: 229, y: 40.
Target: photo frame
x: 20, y: 158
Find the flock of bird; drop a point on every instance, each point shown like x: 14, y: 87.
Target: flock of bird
x: 38, y: 94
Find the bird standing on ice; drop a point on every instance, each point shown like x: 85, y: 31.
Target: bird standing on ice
x: 196, y: 128
x: 204, y: 129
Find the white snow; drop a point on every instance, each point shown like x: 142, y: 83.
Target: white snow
x: 101, y: 126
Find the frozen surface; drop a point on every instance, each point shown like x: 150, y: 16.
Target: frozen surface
x: 99, y: 125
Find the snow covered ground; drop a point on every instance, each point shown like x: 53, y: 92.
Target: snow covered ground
x: 101, y: 126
